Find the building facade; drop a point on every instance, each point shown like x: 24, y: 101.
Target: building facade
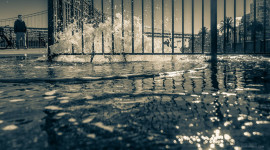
x: 260, y: 14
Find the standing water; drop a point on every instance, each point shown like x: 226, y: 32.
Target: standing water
x: 183, y: 104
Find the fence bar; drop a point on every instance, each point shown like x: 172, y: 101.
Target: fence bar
x: 39, y: 39
x: 192, y: 36
x: 203, y: 30
x: 123, y: 28
x: 82, y: 39
x: 254, y: 27
x: 60, y: 16
x: 162, y: 26
x: 183, y: 26
x: 153, y: 29
x: 102, y: 19
x: 234, y: 27
x: 82, y: 15
x: 214, y: 30
x: 92, y: 16
x: 142, y: 26
x: 72, y: 15
x: 225, y: 27
x: 172, y: 26
x: 112, y: 7
x: 27, y: 39
x: 264, y: 26
x: 50, y: 28
x: 132, y: 24
x: 245, y: 26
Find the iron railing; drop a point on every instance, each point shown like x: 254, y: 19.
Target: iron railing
x: 204, y: 41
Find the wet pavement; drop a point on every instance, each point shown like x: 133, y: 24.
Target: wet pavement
x: 23, y: 52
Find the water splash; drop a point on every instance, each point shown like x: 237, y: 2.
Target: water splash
x: 72, y: 35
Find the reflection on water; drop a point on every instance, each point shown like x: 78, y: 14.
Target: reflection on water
x: 174, y: 105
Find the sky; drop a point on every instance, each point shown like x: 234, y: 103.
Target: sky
x: 11, y: 8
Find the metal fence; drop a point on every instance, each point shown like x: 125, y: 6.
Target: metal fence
x: 222, y: 35
x: 35, y: 38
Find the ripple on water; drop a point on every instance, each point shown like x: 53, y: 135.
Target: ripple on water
x: 64, y: 101
x: 92, y: 136
x: 53, y: 107
x: 105, y: 127
x: 62, y: 114
x: 49, y: 97
x: 16, y: 100
x: 10, y: 128
x: 88, y: 120
x: 50, y: 93
x: 262, y: 122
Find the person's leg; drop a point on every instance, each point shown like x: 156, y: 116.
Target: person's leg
x: 23, y: 39
x: 18, y: 37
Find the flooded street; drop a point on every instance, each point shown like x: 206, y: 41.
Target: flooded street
x: 186, y: 104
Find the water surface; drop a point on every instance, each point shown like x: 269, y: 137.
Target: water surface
x: 187, y: 104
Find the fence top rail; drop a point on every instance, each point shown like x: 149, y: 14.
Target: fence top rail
x: 25, y: 16
x: 28, y: 28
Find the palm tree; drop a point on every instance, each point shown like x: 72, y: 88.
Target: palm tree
x: 203, y: 39
x: 226, y: 26
x: 203, y: 31
x: 254, y: 26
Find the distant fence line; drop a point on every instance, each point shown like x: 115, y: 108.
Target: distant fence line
x: 35, y: 37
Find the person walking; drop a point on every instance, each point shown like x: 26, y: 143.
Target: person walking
x: 20, y: 30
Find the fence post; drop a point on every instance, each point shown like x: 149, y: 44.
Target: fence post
x: 142, y: 26
x: 172, y: 26
x: 162, y: 26
x: 50, y: 28
x: 39, y: 39
x: 153, y: 27
x: 183, y: 26
x: 203, y: 29
x: 254, y: 27
x: 123, y: 26
x: 27, y: 40
x: 245, y: 26
x: 132, y: 24
x: 81, y: 20
x: 102, y: 13
x: 234, y: 26
x: 264, y: 26
x: 214, y: 30
x: 192, y: 26
x: 93, y: 17
x: 72, y: 20
x: 225, y: 28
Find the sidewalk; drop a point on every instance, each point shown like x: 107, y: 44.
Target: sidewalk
x: 23, y: 52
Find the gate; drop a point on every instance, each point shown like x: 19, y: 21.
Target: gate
x: 231, y: 26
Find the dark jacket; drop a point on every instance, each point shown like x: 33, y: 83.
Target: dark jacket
x: 19, y: 26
